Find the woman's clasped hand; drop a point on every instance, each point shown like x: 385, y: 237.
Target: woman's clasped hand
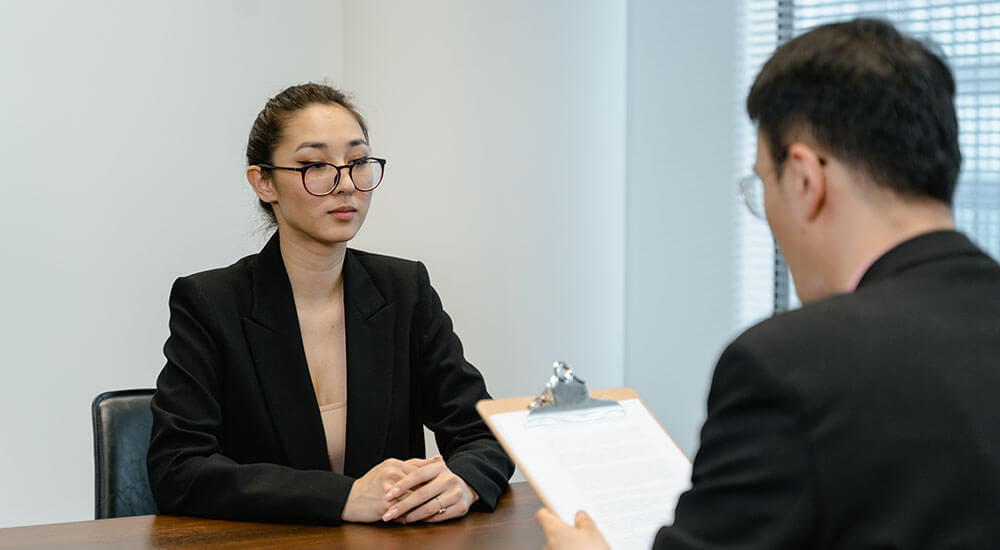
x: 419, y: 489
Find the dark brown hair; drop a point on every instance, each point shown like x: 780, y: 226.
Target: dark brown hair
x: 269, y: 127
x: 870, y: 95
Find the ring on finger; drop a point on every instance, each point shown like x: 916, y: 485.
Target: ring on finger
x: 442, y: 507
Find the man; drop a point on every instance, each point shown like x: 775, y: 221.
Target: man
x: 870, y: 417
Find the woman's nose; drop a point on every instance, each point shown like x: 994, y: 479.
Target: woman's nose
x: 345, y: 184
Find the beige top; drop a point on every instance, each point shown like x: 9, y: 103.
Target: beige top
x: 329, y: 378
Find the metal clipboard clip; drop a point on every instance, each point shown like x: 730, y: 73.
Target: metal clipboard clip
x: 565, y: 399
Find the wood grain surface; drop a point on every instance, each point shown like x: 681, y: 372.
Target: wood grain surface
x: 512, y: 525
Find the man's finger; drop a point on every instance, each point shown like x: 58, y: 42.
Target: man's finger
x: 549, y: 521
x: 583, y: 521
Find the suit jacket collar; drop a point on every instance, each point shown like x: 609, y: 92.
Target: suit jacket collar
x: 360, y: 292
x: 370, y: 325
x: 274, y: 305
x: 929, y: 247
x: 275, y: 341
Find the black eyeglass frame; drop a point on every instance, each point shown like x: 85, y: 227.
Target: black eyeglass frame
x: 336, y: 180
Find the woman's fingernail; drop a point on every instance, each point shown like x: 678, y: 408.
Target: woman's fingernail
x: 389, y: 515
x: 392, y: 492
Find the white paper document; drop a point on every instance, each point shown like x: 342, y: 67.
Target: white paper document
x: 624, y: 471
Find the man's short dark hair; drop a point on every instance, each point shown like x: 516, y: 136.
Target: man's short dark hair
x: 869, y: 95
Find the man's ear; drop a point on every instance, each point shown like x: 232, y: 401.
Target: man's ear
x: 807, y: 179
x: 262, y: 184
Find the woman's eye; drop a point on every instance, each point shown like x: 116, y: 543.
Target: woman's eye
x: 361, y: 160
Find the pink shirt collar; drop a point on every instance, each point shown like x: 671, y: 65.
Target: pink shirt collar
x: 852, y: 283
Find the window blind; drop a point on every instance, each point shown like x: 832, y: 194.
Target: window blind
x: 968, y: 32
x: 754, y: 247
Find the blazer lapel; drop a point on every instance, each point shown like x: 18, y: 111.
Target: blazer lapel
x: 275, y: 341
x: 370, y: 325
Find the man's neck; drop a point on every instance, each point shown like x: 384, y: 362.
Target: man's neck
x: 315, y: 270
x: 877, y: 231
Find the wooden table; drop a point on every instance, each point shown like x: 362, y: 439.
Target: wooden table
x: 511, y: 526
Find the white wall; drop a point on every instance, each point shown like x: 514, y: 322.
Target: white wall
x: 681, y: 78
x: 504, y: 127
x: 123, y: 129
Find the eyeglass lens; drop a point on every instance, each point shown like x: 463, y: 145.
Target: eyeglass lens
x: 322, y: 178
x: 752, y: 189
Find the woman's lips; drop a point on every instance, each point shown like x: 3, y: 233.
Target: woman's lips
x: 344, y: 213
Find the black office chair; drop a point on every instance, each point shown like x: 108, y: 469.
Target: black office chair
x: 122, y: 424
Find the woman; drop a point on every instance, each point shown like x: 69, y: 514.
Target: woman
x: 298, y: 380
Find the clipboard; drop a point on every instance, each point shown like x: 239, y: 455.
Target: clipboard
x: 545, y: 462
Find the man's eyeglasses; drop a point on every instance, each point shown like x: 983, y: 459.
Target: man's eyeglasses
x: 752, y: 187
x: 752, y: 191
x: 321, y: 178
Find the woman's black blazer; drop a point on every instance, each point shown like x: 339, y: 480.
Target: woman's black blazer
x: 237, y: 432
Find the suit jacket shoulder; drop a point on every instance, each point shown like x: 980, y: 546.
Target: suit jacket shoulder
x: 854, y: 421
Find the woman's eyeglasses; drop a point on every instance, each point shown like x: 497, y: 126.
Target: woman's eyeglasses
x: 321, y: 178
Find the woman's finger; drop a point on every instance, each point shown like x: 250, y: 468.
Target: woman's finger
x: 432, y: 509
x: 422, y: 512
x: 414, y: 478
x: 417, y: 498
x: 421, y: 462
x: 455, y: 506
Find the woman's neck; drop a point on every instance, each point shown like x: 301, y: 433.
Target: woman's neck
x: 315, y: 270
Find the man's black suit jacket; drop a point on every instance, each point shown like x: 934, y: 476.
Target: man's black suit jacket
x: 867, y: 420
x: 237, y: 432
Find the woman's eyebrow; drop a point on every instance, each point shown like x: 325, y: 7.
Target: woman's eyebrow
x: 321, y: 145
x: 311, y: 144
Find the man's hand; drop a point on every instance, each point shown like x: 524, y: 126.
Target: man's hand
x: 432, y: 493
x: 560, y: 536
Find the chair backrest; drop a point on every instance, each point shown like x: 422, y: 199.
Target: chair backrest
x: 122, y: 424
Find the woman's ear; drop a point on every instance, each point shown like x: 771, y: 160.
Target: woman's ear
x: 262, y: 184
x: 808, y: 180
